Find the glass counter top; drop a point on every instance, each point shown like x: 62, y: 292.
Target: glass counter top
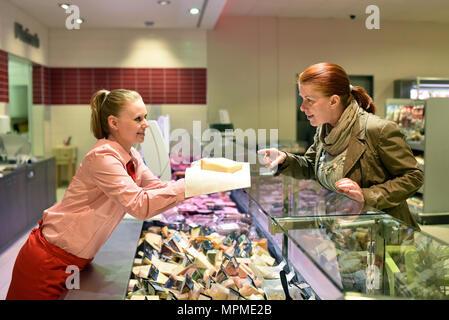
x: 282, y: 196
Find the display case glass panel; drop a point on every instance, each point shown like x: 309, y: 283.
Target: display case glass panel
x: 345, y: 251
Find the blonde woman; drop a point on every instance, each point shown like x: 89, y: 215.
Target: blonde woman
x: 112, y: 180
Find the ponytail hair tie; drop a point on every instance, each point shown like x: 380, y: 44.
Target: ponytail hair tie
x: 105, y: 96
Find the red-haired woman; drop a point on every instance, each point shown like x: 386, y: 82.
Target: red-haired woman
x: 354, y: 152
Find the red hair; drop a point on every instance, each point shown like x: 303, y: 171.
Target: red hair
x: 330, y: 79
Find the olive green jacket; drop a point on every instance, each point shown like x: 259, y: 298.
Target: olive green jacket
x: 377, y: 158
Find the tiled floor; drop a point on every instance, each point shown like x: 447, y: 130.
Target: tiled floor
x: 8, y: 256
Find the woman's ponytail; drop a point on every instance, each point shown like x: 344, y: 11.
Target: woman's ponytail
x: 363, y: 99
x: 96, y: 124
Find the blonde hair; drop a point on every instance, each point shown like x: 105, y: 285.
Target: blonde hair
x: 105, y: 103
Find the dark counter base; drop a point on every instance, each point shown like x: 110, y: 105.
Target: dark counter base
x: 24, y: 194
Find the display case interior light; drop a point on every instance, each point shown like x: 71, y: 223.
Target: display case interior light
x: 194, y: 11
x: 425, y: 93
x: 432, y: 85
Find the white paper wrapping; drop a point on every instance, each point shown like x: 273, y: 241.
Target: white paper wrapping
x: 199, y: 181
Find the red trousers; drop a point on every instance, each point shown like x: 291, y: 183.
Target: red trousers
x: 40, y: 269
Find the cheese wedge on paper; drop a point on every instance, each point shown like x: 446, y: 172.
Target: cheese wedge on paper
x: 154, y: 240
x: 220, y: 165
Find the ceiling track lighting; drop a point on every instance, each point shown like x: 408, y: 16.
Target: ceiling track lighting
x: 194, y: 11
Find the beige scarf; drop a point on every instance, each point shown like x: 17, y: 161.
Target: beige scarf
x: 335, y: 140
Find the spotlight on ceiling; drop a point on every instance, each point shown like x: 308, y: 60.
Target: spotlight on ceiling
x: 194, y: 11
x: 163, y: 2
x: 79, y: 20
x: 63, y: 5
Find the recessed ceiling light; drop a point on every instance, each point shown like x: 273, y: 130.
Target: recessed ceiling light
x: 79, y: 20
x: 64, y: 6
x: 194, y: 11
x: 163, y: 2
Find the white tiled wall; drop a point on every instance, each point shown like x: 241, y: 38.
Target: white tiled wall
x: 2, y: 108
x: 74, y: 121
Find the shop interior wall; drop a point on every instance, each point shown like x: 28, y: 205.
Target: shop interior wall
x: 10, y: 14
x: 253, y: 62
x: 126, y: 48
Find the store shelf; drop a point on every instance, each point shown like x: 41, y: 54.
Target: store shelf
x: 433, y: 151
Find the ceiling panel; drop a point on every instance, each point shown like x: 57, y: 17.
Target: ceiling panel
x: 390, y: 10
x: 134, y: 13
x: 126, y: 13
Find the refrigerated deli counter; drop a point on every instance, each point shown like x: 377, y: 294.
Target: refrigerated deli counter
x: 281, y: 239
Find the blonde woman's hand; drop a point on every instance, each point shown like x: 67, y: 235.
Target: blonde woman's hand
x: 351, y: 189
x: 272, y: 157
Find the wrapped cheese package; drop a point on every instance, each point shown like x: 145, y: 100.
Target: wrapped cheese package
x: 200, y: 181
x: 220, y: 165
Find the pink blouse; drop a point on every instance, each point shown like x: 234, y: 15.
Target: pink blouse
x: 100, y: 194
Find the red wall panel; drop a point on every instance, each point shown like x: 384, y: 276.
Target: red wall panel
x: 155, y: 85
x: 4, y: 90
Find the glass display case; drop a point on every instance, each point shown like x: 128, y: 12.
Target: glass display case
x: 342, y: 250
x: 280, y: 239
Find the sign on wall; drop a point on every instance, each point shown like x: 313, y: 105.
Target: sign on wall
x: 25, y: 35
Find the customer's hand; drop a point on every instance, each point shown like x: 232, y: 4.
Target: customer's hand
x: 273, y: 157
x: 350, y: 188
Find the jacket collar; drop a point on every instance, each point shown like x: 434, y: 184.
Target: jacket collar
x: 124, y: 155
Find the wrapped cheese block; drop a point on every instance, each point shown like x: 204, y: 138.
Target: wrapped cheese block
x: 220, y: 165
x: 218, y: 292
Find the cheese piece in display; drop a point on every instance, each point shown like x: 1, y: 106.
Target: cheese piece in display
x: 220, y: 165
x: 184, y: 255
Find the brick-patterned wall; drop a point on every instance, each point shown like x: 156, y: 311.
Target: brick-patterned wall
x: 41, y: 85
x: 4, y: 96
x: 156, y: 85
